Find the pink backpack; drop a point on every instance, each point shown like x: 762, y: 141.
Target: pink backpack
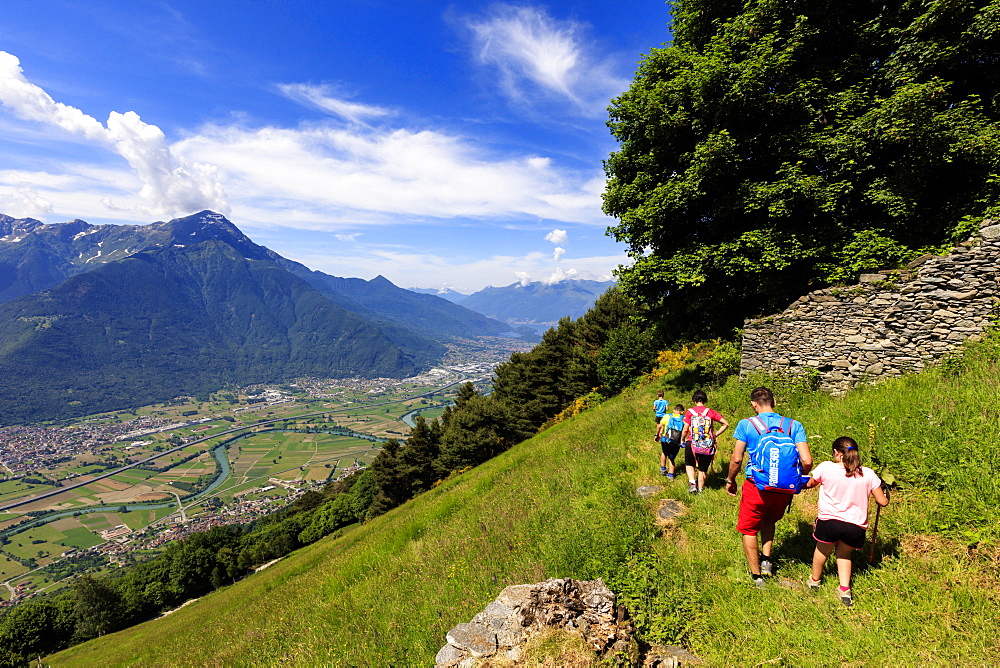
x: 702, y: 434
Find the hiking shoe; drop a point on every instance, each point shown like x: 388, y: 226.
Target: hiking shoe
x: 813, y: 584
x: 663, y: 470
x: 759, y: 581
x: 845, y: 598
x: 692, y: 488
x: 670, y: 476
x: 765, y: 567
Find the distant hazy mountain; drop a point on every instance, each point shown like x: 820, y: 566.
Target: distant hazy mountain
x: 102, y: 317
x: 381, y: 299
x: 443, y: 293
x: 537, y: 303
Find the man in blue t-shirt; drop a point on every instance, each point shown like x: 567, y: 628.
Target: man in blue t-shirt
x: 761, y: 509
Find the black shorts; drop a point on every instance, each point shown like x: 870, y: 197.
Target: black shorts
x: 670, y: 449
x: 831, y: 531
x: 700, y: 462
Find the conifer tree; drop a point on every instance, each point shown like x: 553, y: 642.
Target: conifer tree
x: 388, y: 479
x: 419, y: 454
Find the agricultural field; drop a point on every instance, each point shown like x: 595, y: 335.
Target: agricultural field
x: 290, y: 456
x: 9, y: 569
x: 286, y: 457
x: 12, y: 489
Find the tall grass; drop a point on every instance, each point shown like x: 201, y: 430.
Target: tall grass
x: 386, y: 592
x: 563, y: 504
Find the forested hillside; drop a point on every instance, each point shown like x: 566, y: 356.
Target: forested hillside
x: 179, y: 321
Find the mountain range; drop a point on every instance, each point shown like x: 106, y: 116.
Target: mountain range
x: 535, y: 304
x: 96, y: 318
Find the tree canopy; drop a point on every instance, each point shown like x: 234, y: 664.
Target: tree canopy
x: 779, y: 145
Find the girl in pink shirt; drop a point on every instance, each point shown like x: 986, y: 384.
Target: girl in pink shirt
x: 845, y: 486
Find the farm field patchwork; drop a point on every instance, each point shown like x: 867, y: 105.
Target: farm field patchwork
x: 290, y: 456
x: 294, y: 450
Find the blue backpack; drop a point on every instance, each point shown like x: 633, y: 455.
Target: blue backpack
x: 774, y: 464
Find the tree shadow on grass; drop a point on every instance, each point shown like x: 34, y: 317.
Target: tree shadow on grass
x: 690, y: 378
x: 884, y: 547
x: 799, y: 547
x: 716, y: 480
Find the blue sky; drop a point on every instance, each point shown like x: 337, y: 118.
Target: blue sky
x: 437, y: 144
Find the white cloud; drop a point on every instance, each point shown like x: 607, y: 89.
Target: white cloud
x: 30, y: 102
x: 320, y: 97
x: 80, y: 191
x: 557, y: 236
x: 365, y: 175
x: 24, y: 202
x: 558, y: 253
x: 523, y: 277
x: 321, y: 176
x: 347, y: 237
x: 170, y: 185
x: 537, y: 55
x: 560, y: 275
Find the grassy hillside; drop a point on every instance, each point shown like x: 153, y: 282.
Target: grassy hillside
x: 563, y: 504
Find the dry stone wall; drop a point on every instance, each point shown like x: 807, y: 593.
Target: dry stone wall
x: 890, y: 323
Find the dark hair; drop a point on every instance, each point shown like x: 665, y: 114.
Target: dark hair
x: 678, y: 408
x: 659, y: 393
x: 699, y: 396
x: 762, y: 396
x: 848, y: 449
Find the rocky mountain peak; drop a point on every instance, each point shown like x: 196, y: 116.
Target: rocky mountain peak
x: 14, y: 229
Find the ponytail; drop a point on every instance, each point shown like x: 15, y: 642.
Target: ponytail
x: 848, y: 449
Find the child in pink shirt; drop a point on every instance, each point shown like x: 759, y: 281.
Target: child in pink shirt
x: 845, y: 486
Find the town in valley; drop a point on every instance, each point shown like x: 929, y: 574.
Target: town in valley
x: 89, y: 494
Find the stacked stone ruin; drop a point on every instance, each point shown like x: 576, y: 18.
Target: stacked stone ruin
x: 584, y: 608
x: 890, y: 323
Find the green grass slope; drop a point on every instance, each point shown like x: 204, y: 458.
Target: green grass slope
x: 563, y: 505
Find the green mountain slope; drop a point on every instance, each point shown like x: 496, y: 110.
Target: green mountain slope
x: 182, y: 321
x: 564, y: 504
x: 35, y: 257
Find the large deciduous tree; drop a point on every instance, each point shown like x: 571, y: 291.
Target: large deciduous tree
x: 780, y: 145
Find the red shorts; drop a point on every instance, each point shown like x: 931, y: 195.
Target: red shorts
x: 758, y: 507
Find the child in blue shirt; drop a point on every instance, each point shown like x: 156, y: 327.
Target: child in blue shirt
x: 660, y: 407
x: 670, y: 430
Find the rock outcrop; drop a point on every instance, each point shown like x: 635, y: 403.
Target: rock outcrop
x: 586, y: 609
x: 890, y: 323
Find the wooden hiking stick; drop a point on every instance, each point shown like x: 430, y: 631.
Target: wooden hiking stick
x: 871, y: 552
x: 878, y: 513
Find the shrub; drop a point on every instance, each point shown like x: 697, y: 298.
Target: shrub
x: 724, y: 361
